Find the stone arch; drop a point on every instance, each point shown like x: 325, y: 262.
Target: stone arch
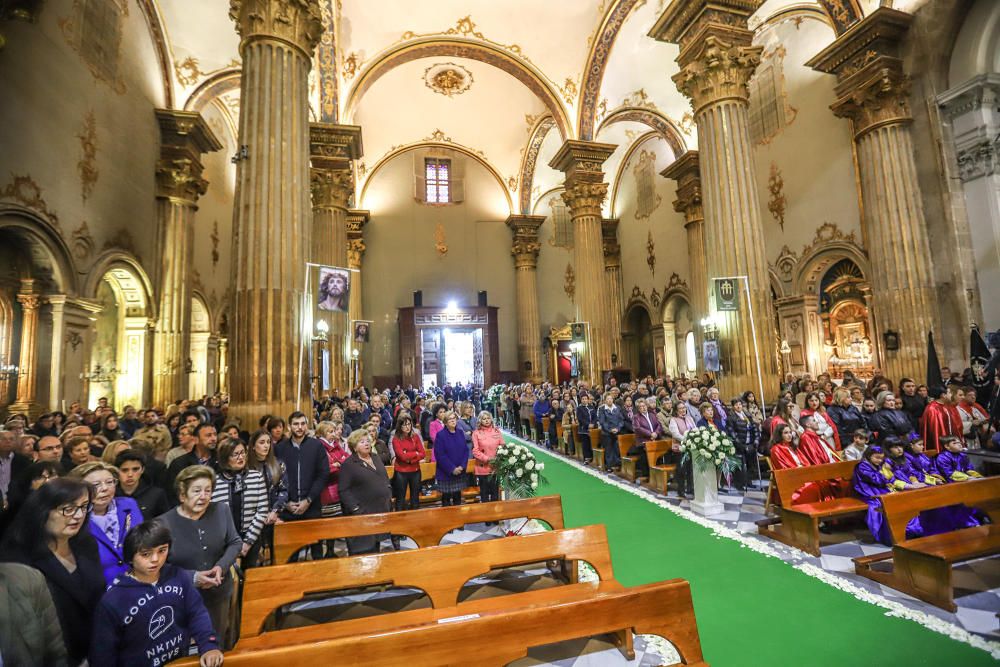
x: 677, y: 320
x: 461, y: 47
x: 43, y: 242
x: 616, y: 183
x: 652, y: 119
x: 814, y: 264
x: 468, y: 152
x: 637, y: 336
x: 119, y: 360
x: 530, y: 159
x: 976, y: 46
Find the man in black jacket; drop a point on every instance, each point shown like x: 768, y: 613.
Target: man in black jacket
x: 203, y: 453
x: 585, y: 418
x: 308, y: 470
x: 152, y: 501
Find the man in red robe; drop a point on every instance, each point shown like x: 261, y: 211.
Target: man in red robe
x: 941, y: 418
x: 812, y: 445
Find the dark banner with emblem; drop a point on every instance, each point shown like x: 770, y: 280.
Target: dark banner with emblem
x: 727, y: 294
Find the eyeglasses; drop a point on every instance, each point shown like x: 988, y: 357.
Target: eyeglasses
x: 241, y: 454
x: 69, y: 511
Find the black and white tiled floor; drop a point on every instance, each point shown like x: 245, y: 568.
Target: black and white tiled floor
x: 977, y: 583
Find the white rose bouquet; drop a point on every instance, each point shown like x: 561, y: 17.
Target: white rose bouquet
x: 708, y: 446
x: 517, y: 470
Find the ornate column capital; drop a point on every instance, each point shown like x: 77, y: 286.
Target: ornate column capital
x: 331, y: 189
x: 716, y: 56
x: 872, y: 89
x: 184, y: 137
x: 686, y: 170
x: 356, y: 221
x: 582, y: 162
x: 27, y: 296
x: 298, y: 23
x: 332, y: 150
x: 525, y: 246
x: 609, y: 241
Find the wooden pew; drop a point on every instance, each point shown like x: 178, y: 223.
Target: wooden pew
x: 546, y: 422
x: 596, y: 445
x: 504, y: 635
x: 441, y: 572
x: 625, y: 442
x: 659, y: 473
x: 595, y: 440
x: 561, y: 442
x: 798, y: 525
x: 922, y: 567
x: 426, y: 527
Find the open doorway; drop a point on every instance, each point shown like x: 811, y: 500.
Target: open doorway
x: 459, y: 356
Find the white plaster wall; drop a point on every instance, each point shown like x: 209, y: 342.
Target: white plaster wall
x: 401, y: 257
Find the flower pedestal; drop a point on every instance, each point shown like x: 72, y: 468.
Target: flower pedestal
x: 706, y: 491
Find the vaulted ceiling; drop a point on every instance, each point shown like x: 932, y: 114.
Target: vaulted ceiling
x: 494, y: 78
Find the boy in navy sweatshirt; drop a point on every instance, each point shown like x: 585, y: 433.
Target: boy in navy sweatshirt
x: 149, y: 614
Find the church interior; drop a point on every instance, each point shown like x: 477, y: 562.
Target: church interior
x: 250, y: 208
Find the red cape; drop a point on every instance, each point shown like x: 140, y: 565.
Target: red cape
x: 812, y: 492
x: 811, y: 445
x: 939, y: 420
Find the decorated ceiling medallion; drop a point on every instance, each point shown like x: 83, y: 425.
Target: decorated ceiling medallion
x: 448, y: 79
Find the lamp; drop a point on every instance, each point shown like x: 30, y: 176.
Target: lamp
x: 322, y: 329
x: 785, y: 347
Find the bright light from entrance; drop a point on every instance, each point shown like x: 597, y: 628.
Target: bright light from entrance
x: 452, y: 306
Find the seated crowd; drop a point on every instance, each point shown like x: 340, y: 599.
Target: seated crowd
x: 118, y: 534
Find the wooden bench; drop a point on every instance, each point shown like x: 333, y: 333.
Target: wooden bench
x: 560, y: 443
x: 625, y: 442
x: 595, y: 441
x: 546, y: 423
x: 659, y: 473
x: 426, y: 527
x: 597, y: 448
x: 502, y: 636
x: 922, y: 567
x: 440, y: 572
x: 798, y: 525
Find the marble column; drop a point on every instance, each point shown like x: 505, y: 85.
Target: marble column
x: 58, y: 304
x: 716, y: 61
x: 224, y: 365
x: 184, y: 136
x: 686, y: 171
x: 525, y: 248
x: 971, y: 116
x: 273, y: 212
x: 27, y: 378
x: 616, y: 289
x: 333, y: 148
x: 356, y: 221
x: 584, y: 194
x: 873, y: 92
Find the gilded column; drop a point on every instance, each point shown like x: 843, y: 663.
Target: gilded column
x: 585, y: 191
x: 686, y: 171
x: 224, y: 365
x: 356, y: 221
x: 716, y: 61
x: 56, y: 392
x: 525, y: 248
x: 27, y: 379
x: 873, y: 92
x: 273, y: 212
x: 332, y: 150
x: 616, y: 290
x: 184, y: 136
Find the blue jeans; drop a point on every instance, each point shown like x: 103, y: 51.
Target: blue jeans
x: 612, y: 456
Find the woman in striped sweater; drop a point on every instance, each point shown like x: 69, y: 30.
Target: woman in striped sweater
x: 243, y: 489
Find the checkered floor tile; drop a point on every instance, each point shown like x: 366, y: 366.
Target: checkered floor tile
x: 977, y: 583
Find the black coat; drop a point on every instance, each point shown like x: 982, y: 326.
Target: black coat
x: 308, y: 470
x: 847, y: 420
x: 75, y: 595
x: 914, y: 407
x: 152, y: 500
x: 892, y: 423
x: 364, y: 491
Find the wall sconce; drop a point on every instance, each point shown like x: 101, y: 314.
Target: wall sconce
x: 891, y: 339
x: 354, y: 353
x: 785, y: 347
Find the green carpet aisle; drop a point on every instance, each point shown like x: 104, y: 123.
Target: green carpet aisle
x: 752, y: 609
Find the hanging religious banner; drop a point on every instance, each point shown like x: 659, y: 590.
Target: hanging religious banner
x: 727, y: 294
x: 334, y: 289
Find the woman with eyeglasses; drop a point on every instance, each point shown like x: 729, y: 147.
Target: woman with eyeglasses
x: 110, y: 518
x: 244, y: 491
x: 50, y: 535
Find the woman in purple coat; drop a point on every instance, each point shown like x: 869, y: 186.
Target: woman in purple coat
x: 452, y: 457
x: 872, y: 479
x: 110, y: 518
x: 646, y: 427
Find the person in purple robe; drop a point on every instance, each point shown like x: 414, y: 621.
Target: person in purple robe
x: 939, y: 519
x: 874, y: 478
x: 922, y: 463
x: 902, y: 469
x: 953, y: 463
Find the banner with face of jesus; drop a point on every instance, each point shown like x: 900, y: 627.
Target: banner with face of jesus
x: 334, y: 289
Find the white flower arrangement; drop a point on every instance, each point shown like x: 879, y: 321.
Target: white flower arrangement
x: 708, y: 446
x: 517, y: 470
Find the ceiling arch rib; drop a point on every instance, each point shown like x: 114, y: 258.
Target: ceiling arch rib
x: 530, y: 160
x: 460, y: 48
x: 650, y: 118
x: 597, y: 61
x: 216, y: 85
x: 448, y: 145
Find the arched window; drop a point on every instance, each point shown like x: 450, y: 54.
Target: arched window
x: 690, y: 352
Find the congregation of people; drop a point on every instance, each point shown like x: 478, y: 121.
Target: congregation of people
x: 113, y: 525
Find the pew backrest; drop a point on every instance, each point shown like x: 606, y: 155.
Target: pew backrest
x: 790, y: 480
x: 899, y: 508
x: 625, y: 442
x: 655, y: 449
x: 440, y: 571
x: 426, y: 527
